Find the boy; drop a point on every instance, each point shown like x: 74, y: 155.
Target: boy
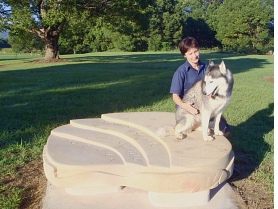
x: 189, y: 73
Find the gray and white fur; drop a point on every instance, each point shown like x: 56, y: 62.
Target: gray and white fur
x: 210, y: 95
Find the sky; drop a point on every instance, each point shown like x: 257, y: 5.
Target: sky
x: 4, y: 35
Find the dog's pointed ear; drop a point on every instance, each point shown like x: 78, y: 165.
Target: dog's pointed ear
x: 211, y: 63
x: 222, y: 67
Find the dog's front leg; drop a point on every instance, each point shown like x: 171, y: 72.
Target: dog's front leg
x: 216, y: 125
x: 205, y: 123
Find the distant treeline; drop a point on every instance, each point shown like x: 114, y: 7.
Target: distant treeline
x: 4, y: 43
x: 66, y: 27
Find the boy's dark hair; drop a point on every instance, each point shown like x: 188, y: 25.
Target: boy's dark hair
x: 188, y: 43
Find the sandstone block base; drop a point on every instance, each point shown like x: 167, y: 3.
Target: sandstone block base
x: 221, y: 197
x: 179, y: 199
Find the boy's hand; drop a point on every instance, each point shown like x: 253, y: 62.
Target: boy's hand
x: 189, y: 107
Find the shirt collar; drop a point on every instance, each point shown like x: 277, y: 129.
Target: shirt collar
x: 188, y: 65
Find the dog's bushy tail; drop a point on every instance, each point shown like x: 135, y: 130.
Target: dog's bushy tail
x: 166, y: 131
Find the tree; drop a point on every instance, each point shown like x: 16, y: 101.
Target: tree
x: 243, y: 26
x: 24, y: 42
x: 137, y: 25
x: 4, y: 12
x: 74, y: 32
x: 165, y: 28
x: 47, y: 18
x: 129, y: 28
x: 124, y: 30
x: 197, y: 19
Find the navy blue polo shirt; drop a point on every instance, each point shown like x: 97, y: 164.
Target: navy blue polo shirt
x: 185, y: 76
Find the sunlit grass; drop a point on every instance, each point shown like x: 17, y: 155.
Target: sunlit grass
x: 37, y: 97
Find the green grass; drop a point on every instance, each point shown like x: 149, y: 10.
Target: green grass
x: 37, y: 97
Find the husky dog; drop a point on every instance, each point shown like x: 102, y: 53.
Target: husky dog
x: 210, y: 95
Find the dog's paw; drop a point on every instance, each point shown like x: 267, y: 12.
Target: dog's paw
x: 218, y: 133
x: 198, y: 128
x: 209, y: 138
x: 181, y: 136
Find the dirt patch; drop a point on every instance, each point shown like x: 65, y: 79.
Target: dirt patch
x: 31, y: 178
x: 253, y: 194
x: 34, y: 184
x: 252, y: 190
x: 269, y: 79
x: 49, y: 61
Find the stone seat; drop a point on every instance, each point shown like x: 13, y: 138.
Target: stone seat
x: 103, y: 155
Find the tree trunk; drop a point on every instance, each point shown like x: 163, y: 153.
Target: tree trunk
x: 51, y: 44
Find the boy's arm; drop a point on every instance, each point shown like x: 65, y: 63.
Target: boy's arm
x: 187, y: 106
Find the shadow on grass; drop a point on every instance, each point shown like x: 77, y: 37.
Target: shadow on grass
x: 250, y: 136
x: 35, y: 101
x: 155, y: 58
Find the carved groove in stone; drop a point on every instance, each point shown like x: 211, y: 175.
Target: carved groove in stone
x: 123, y: 149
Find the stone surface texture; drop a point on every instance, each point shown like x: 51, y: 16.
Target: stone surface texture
x: 221, y: 197
x: 136, y: 150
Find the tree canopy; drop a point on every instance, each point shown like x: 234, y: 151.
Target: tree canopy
x: 244, y: 25
x: 79, y: 26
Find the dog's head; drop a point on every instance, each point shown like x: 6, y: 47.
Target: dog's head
x: 217, y: 81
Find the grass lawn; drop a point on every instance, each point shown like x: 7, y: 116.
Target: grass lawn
x: 36, y: 97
